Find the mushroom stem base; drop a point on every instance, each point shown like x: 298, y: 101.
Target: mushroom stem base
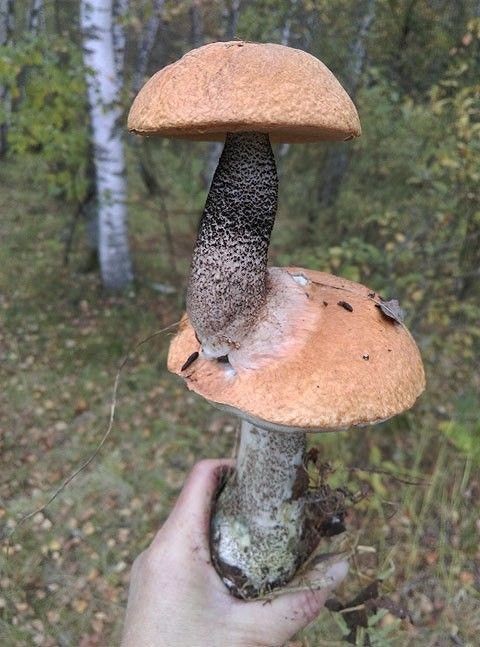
x: 258, y: 526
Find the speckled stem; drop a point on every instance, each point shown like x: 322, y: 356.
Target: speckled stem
x: 227, y: 286
x: 258, y: 524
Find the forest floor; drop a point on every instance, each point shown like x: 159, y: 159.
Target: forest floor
x: 64, y: 572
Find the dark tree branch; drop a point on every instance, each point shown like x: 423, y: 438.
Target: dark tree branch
x: 146, y: 44
x: 338, y: 158
x: 36, y: 17
x: 197, y: 36
x: 230, y: 15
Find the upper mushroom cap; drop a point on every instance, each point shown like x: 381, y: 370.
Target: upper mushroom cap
x: 237, y: 86
x: 351, y: 364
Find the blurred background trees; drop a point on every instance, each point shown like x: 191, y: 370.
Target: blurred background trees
x: 406, y: 63
x: 397, y: 209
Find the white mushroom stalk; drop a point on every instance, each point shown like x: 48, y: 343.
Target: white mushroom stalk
x: 258, y: 529
x: 228, y: 280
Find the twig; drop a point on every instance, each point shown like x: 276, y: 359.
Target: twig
x: 104, y: 438
x: 400, y: 479
x: 314, y: 585
x: 359, y: 607
x: 71, y: 233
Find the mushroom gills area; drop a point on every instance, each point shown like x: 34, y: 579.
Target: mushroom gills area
x: 258, y: 524
x: 228, y: 279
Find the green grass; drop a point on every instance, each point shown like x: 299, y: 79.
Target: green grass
x: 64, y: 574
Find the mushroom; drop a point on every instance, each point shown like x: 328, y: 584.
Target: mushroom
x: 248, y: 94
x: 334, y: 369
x: 286, y: 349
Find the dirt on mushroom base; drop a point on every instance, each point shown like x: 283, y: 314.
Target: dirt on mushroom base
x: 326, y: 512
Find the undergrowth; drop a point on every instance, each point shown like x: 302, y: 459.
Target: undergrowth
x: 64, y: 575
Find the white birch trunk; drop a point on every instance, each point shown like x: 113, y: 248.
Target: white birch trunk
x: 7, y: 20
x: 103, y: 58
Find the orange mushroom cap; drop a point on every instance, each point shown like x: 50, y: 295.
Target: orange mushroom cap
x: 238, y: 86
x: 341, y: 361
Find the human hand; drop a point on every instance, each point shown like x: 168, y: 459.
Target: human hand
x: 177, y: 599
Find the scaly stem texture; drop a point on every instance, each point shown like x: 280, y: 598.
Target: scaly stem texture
x: 258, y: 525
x: 227, y: 286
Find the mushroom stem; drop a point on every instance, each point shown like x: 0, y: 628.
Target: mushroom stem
x: 259, y: 522
x: 228, y: 278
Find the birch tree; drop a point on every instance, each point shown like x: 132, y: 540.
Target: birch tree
x: 104, y: 48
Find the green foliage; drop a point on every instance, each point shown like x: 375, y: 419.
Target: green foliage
x: 411, y: 41
x: 464, y: 428
x: 46, y: 82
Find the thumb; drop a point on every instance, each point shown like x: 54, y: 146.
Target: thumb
x: 280, y: 619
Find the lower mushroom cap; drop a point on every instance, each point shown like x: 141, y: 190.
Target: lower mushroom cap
x: 324, y: 357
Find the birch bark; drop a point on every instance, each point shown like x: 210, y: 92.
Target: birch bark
x: 103, y: 50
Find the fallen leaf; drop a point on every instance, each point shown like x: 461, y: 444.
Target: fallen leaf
x: 392, y: 310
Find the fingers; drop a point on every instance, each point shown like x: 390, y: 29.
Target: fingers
x: 191, y: 513
x: 287, y: 614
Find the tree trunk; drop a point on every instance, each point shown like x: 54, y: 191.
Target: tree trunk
x: 7, y: 21
x: 230, y: 13
x: 196, y: 24
x: 146, y: 44
x: 338, y: 157
x: 36, y: 17
x: 469, y: 261
x: 285, y: 40
x: 103, y: 57
x: 119, y: 10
